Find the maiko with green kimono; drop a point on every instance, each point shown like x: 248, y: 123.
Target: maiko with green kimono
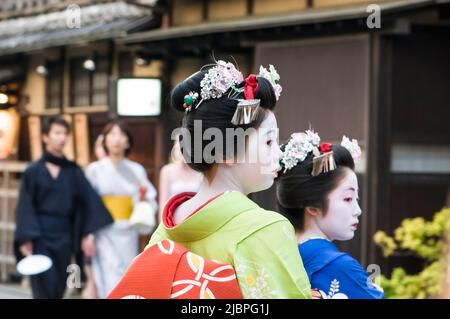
x: 217, y: 243
x: 232, y: 229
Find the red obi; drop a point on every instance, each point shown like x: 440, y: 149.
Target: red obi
x: 167, y: 270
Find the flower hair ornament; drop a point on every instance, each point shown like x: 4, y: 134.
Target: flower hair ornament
x: 302, y: 144
x: 223, y: 78
x: 190, y: 100
x: 353, y: 147
x: 273, y: 77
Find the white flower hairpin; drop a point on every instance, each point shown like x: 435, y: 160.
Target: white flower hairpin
x: 302, y: 144
x: 298, y: 148
x: 353, y: 147
x: 273, y: 77
x: 219, y: 79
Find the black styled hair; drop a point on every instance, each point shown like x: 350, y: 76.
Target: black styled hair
x: 216, y: 113
x: 54, y: 120
x: 298, y: 189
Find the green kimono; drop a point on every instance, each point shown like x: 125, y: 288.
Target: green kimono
x: 260, y: 245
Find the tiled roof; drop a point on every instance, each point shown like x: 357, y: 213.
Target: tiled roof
x: 100, y: 21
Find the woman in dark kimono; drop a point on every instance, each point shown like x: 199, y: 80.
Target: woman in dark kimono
x: 57, y: 212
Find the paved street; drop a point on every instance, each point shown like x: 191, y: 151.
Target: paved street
x: 14, y: 291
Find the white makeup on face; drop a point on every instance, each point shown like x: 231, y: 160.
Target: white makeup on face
x: 341, y: 220
x: 258, y: 172
x: 242, y: 175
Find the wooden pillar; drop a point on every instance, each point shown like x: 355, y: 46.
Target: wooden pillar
x: 379, y: 142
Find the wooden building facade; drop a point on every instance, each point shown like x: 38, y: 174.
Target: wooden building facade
x: 387, y: 87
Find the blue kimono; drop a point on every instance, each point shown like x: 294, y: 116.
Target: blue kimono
x: 335, y: 274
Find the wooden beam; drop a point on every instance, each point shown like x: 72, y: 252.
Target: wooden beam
x: 205, y: 9
x: 250, y: 7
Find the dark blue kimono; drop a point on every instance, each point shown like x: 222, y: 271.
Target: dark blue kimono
x: 335, y: 274
x: 55, y: 213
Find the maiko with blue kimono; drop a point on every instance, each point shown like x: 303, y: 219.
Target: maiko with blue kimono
x: 318, y: 192
x: 336, y: 274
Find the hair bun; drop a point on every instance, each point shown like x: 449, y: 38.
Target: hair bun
x: 266, y: 94
x: 191, y: 84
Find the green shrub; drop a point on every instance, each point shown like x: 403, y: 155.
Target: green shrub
x: 425, y: 239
